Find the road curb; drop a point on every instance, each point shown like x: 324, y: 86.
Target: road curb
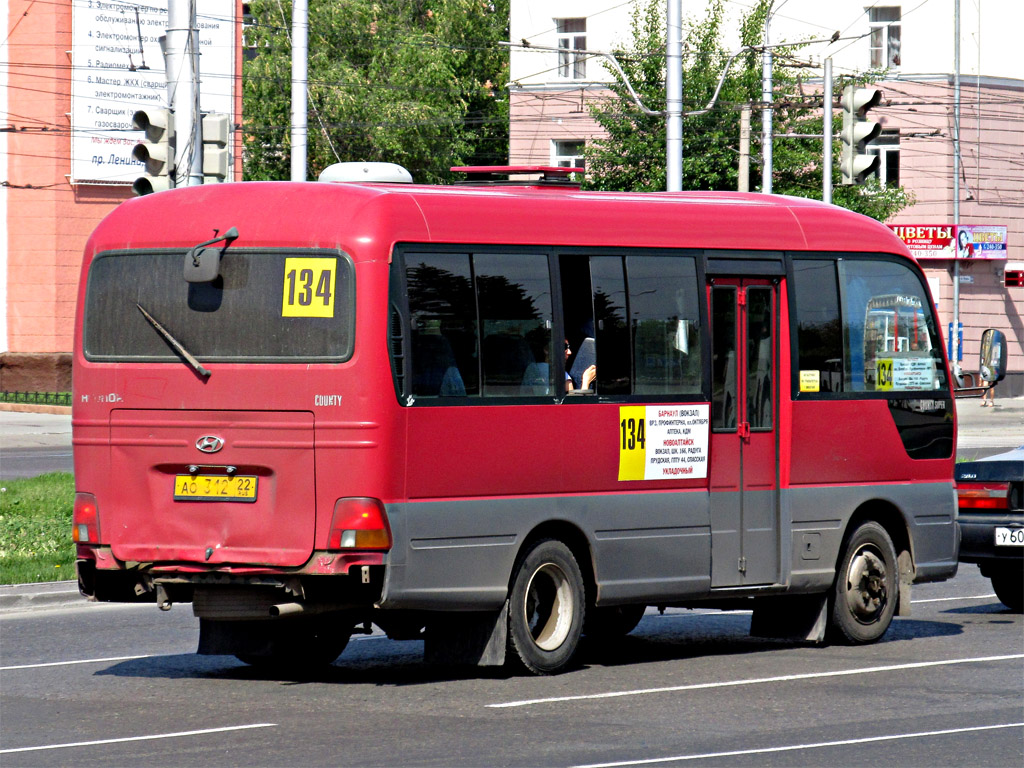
x: 61, y: 410
x: 16, y: 598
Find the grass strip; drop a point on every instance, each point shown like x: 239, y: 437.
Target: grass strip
x: 35, y: 529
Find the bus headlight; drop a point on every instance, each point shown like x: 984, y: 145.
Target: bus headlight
x: 359, y: 523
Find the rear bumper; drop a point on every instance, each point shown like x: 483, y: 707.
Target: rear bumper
x: 978, y: 542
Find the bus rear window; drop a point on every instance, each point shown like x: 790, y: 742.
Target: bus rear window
x: 266, y: 306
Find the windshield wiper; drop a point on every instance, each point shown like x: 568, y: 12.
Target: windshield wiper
x: 193, y: 363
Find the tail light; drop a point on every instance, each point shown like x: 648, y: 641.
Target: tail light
x: 995, y: 496
x: 85, y: 520
x: 359, y: 523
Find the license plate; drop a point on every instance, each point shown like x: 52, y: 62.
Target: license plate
x: 215, y: 488
x: 1010, y: 537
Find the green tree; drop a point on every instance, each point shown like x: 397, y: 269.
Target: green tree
x: 414, y: 82
x: 632, y: 157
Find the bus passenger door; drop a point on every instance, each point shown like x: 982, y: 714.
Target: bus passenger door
x: 743, y: 477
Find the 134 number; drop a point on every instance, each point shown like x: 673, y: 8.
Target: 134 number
x: 633, y: 434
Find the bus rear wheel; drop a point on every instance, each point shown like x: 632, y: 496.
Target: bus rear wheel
x: 546, y: 607
x: 864, y: 598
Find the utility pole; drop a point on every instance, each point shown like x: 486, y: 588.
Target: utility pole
x: 182, y: 74
x: 744, y: 169
x: 826, y: 161
x: 766, y: 112
x: 955, y: 335
x: 674, y: 97
x: 300, y: 77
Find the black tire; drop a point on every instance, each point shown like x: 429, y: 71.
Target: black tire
x: 297, y: 646
x: 1008, y: 584
x: 863, y: 599
x: 613, y: 621
x: 546, y: 608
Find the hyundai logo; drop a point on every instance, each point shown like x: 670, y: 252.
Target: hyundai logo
x: 209, y: 443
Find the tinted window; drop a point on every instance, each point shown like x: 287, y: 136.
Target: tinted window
x: 442, y: 320
x: 514, y: 293
x: 819, y: 335
x: 265, y: 306
x: 613, y: 358
x: 759, y: 357
x: 890, y: 338
x: 723, y: 358
x: 664, y: 311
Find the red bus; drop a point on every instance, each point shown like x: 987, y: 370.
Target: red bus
x: 496, y: 417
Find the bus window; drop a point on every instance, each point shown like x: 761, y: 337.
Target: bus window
x: 442, y: 313
x: 614, y: 376
x: 819, y: 332
x: 665, y: 314
x: 262, y: 308
x: 890, y: 336
x: 514, y: 293
x: 723, y: 358
x: 759, y: 357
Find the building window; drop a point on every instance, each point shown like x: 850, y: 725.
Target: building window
x: 885, y: 37
x: 572, y: 37
x: 887, y: 147
x: 567, y: 154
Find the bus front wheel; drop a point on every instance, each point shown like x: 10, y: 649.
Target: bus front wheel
x: 546, y: 607
x: 864, y: 598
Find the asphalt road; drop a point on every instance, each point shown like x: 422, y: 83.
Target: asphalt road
x: 119, y: 685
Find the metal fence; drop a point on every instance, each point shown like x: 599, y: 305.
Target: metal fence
x: 36, y: 398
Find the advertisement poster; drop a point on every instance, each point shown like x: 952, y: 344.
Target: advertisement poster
x: 118, y: 69
x: 946, y: 241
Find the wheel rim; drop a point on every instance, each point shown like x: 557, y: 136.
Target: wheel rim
x: 867, y: 589
x: 549, y: 607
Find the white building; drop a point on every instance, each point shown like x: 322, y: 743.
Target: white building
x: 914, y: 42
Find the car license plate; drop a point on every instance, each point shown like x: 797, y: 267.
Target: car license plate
x: 215, y: 488
x: 1010, y: 537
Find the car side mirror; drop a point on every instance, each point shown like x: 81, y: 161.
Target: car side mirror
x: 992, y: 364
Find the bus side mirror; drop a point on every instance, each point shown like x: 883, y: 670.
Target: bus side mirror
x: 992, y: 364
x: 202, y: 265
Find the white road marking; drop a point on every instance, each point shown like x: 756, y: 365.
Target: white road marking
x: 78, y: 661
x: 951, y: 599
x: 754, y: 681
x: 795, y: 747
x: 140, y: 738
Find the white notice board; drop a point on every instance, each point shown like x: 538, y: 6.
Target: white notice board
x: 111, y: 42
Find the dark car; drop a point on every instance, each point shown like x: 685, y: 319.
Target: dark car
x: 991, y: 493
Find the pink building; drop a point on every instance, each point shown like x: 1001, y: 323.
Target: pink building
x: 552, y: 89
x: 48, y: 210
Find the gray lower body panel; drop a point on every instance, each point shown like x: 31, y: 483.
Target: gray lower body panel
x: 459, y: 554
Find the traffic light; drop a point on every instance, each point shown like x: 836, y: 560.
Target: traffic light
x: 156, y: 150
x: 216, y: 156
x: 856, y: 165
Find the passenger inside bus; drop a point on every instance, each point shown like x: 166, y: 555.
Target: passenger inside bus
x: 434, y: 364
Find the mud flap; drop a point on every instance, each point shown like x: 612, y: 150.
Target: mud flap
x: 906, y: 569
x: 467, y: 638
x: 801, y: 618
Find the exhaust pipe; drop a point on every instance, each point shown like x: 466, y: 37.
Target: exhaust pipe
x: 306, y: 609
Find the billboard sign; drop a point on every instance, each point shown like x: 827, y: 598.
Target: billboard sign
x: 947, y: 241
x: 118, y: 68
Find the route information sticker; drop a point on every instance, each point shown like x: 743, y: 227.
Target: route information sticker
x: 663, y: 442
